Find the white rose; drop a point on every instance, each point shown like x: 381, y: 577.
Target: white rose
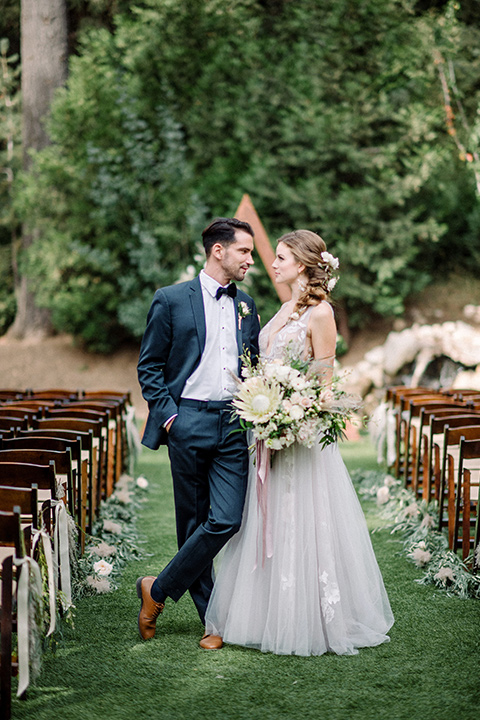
x: 383, y: 495
x: 296, y: 412
x: 275, y: 443
x: 330, y: 260
x: 102, y: 567
x: 142, y: 482
x: 299, y: 383
x: 282, y: 372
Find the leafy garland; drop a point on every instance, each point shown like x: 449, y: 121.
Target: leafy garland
x: 114, y: 540
x: 423, y: 545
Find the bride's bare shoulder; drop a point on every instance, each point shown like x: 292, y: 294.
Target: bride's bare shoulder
x: 323, y: 312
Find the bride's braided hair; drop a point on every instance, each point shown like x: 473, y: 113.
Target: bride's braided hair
x: 307, y: 248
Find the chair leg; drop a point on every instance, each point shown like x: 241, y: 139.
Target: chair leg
x: 466, y: 514
x: 6, y: 639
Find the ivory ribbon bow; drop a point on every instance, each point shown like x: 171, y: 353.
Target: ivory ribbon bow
x: 24, y: 566
x: 38, y: 535
x: 263, y: 475
x: 61, y: 550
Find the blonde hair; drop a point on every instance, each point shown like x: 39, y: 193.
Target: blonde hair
x: 307, y: 248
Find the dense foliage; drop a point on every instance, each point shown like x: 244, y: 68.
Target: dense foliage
x: 330, y: 115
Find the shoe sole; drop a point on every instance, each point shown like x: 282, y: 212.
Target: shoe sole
x: 139, y: 594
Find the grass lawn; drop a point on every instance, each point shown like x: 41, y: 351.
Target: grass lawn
x: 102, y: 670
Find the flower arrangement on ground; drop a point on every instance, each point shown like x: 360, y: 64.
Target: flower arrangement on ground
x: 288, y: 400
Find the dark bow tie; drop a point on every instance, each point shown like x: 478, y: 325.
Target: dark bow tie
x: 229, y: 290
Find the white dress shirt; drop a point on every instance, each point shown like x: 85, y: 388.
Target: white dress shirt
x: 212, y: 379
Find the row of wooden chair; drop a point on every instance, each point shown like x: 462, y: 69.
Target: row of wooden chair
x: 55, y: 446
x: 437, y: 455
x: 11, y: 536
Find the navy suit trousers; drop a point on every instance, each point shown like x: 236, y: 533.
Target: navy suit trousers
x: 209, y: 466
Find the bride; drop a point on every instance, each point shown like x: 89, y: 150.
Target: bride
x: 319, y: 589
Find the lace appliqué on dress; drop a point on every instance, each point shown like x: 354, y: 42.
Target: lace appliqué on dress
x: 293, y: 334
x: 331, y: 596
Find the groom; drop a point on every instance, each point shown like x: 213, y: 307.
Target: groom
x: 189, y: 356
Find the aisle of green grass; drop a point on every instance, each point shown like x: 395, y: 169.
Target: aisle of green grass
x: 102, y: 670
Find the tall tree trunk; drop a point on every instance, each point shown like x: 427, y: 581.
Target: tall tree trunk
x: 44, y: 57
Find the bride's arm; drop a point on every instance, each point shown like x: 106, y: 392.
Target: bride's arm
x: 323, y: 337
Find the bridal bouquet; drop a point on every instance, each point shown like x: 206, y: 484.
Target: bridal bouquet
x: 286, y: 401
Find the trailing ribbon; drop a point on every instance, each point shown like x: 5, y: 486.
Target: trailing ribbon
x: 25, y: 565
x: 264, y: 455
x: 61, y: 550
x: 38, y: 535
x: 133, y: 437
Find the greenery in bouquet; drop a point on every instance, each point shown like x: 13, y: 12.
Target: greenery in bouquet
x: 289, y: 400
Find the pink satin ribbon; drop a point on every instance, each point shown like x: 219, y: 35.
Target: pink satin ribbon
x: 264, y: 455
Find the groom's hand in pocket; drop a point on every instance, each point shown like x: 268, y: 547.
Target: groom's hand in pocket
x: 169, y: 424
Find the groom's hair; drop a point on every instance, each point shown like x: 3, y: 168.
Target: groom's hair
x: 222, y: 230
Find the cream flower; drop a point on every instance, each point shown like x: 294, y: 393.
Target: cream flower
x: 100, y: 585
x: 103, y: 549
x: 257, y: 400
x: 243, y: 309
x: 427, y: 522
x: 299, y: 383
x: 112, y: 527
x: 383, y: 495
x: 123, y: 496
x: 296, y: 412
x: 330, y: 260
x: 411, y: 510
x: 420, y: 557
x: 103, y: 568
x: 444, y: 574
x: 275, y: 443
x: 142, y: 482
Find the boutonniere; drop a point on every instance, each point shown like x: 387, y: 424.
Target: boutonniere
x: 243, y: 311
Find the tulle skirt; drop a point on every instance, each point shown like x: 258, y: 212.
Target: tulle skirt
x: 302, y: 579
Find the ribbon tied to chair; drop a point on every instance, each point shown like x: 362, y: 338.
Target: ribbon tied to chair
x: 27, y: 569
x: 61, y: 551
x: 44, y: 537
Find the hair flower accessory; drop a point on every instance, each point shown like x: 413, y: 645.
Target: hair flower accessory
x: 328, y: 264
x: 330, y: 260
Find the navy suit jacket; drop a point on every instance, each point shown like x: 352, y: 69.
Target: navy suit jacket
x: 172, y: 346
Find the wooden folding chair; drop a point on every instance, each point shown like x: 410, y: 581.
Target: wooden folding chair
x: 31, y: 441
x: 87, y: 471
x: 79, y: 425
x: 27, y: 500
x: 40, y: 456
x: 12, y: 424
x: 11, y: 536
x: 7, y: 395
x: 101, y: 416
x: 17, y: 411
x: 38, y: 406
x: 52, y: 394
x: 466, y: 530
x: 114, y: 446
x: 125, y: 401
x: 414, y: 409
x: 21, y: 475
x: 429, y: 457
x: 398, y: 397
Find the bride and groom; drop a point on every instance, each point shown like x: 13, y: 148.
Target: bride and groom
x: 319, y: 589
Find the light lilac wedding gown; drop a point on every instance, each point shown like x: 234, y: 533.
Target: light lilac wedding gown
x: 319, y: 589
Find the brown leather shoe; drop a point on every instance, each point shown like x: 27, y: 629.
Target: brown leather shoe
x: 149, y: 609
x: 211, y: 642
